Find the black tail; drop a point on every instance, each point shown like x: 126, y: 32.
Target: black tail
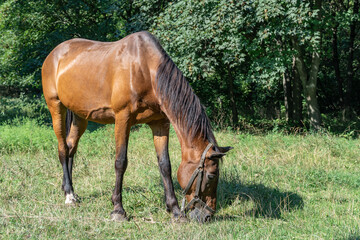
x: 68, y: 121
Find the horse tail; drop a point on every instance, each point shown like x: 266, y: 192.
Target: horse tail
x: 68, y: 121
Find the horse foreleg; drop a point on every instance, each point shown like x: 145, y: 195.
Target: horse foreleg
x: 160, y: 131
x: 122, y: 130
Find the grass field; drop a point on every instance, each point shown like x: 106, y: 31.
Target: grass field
x: 271, y: 186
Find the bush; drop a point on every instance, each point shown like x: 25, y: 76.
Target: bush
x: 24, y: 107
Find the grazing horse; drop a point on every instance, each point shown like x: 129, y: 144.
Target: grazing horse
x: 129, y: 82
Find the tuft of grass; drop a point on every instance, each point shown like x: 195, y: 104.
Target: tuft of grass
x: 272, y: 186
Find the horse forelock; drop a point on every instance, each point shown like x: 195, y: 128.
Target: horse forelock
x: 179, y: 100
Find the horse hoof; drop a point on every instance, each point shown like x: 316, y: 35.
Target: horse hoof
x: 118, y: 217
x: 71, y: 199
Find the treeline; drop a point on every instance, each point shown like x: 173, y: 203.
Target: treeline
x: 291, y: 61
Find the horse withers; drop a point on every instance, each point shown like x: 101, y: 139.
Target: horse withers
x: 129, y: 82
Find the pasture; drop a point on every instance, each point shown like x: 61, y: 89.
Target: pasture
x: 272, y: 186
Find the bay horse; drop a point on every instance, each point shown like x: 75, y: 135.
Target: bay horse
x: 129, y: 82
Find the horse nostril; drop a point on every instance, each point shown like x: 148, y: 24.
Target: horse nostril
x: 207, y: 218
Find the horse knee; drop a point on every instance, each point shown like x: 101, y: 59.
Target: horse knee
x: 121, y: 163
x: 165, y: 166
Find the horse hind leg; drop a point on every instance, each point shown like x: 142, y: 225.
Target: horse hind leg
x: 58, y: 114
x: 75, y: 127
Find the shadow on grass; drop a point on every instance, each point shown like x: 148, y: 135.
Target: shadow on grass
x: 265, y: 202
x: 352, y: 235
x: 93, y: 126
x: 255, y: 200
x: 355, y: 237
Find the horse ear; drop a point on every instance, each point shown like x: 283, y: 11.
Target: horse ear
x: 224, y: 149
x: 219, y: 153
x: 216, y: 155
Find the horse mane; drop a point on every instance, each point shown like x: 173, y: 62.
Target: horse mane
x: 179, y: 99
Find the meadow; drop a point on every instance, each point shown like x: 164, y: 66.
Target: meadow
x: 272, y: 186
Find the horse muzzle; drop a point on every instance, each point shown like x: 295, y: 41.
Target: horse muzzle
x: 200, y: 214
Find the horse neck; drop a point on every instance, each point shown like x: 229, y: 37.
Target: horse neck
x: 191, y: 148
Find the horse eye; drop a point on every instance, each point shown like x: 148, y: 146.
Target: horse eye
x: 211, y: 176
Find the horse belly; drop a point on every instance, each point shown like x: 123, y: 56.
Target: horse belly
x: 95, y: 113
x: 101, y: 115
x: 147, y: 115
x: 89, y: 103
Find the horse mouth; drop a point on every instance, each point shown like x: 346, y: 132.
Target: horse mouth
x: 200, y: 215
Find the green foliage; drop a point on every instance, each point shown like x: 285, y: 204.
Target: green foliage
x: 239, y: 45
x: 204, y: 41
x: 234, y: 53
x: 13, y: 109
x: 31, y: 29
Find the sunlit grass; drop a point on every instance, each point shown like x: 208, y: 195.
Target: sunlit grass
x: 273, y: 186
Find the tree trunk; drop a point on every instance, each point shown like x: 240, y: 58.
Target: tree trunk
x: 309, y: 82
x: 311, y: 98
x: 286, y: 83
x: 296, y: 96
x: 288, y: 102
x: 336, y: 64
x: 235, y: 119
x: 309, y: 78
x: 350, y: 68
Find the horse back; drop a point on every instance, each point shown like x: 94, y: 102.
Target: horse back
x: 98, y: 79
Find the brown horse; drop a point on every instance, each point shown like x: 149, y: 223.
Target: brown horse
x: 128, y: 82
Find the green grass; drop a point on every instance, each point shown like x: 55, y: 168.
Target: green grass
x: 272, y: 186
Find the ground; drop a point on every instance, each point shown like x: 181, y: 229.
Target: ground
x: 272, y: 186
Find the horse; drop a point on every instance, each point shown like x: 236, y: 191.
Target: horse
x: 127, y: 82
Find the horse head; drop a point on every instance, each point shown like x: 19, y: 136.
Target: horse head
x: 198, y: 175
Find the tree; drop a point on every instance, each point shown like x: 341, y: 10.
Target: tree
x: 223, y: 44
x: 246, y: 60
x: 251, y: 41
x: 301, y: 22
x: 29, y: 30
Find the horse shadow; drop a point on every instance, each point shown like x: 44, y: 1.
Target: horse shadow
x: 258, y: 200
x: 352, y: 237
x: 239, y: 199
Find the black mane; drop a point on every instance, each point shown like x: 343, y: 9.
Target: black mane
x: 179, y: 99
